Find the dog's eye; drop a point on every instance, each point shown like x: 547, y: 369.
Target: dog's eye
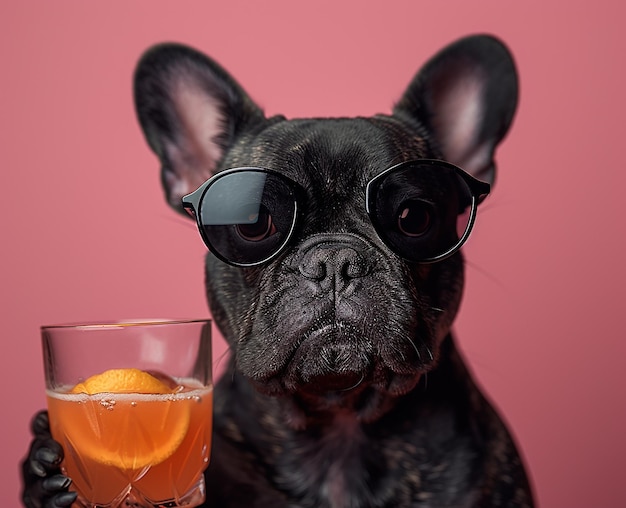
x: 414, y: 218
x: 260, y: 227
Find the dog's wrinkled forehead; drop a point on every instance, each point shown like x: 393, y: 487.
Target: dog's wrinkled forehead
x: 333, y: 156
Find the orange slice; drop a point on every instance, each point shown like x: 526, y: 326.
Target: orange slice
x: 129, y: 419
x: 122, y: 381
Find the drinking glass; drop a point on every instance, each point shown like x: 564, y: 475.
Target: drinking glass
x: 131, y: 404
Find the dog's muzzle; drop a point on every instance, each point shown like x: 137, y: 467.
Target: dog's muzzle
x: 336, y: 327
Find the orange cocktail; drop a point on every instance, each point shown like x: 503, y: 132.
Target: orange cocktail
x: 152, y: 444
x: 133, y: 436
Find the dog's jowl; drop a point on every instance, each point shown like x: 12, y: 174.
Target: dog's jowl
x: 334, y: 272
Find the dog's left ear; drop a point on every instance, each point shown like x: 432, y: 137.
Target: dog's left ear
x: 466, y: 95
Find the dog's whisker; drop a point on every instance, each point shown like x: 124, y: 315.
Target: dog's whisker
x: 221, y: 357
x: 400, y: 352
x: 485, y: 273
x: 415, y: 348
x: 430, y: 353
x: 180, y: 221
x: 361, y: 379
x: 495, y: 204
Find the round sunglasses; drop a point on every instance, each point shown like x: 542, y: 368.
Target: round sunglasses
x: 423, y: 210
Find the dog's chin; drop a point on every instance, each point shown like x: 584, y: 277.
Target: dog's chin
x: 321, y: 399
x: 339, y: 368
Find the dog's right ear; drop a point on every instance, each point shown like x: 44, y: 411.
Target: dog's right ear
x: 191, y: 111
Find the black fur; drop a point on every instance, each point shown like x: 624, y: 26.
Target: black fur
x: 344, y: 387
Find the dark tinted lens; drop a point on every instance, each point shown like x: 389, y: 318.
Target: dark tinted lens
x: 414, y: 218
x: 421, y: 210
x: 262, y: 228
x: 247, y: 216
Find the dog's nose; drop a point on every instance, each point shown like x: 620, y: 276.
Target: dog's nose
x: 333, y: 259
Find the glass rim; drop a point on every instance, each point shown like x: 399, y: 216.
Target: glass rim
x: 127, y: 323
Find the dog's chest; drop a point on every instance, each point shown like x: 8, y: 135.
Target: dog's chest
x: 332, y: 467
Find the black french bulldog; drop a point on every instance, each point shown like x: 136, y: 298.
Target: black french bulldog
x: 334, y: 275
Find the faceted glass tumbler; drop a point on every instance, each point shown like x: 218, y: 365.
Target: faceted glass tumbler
x: 131, y: 404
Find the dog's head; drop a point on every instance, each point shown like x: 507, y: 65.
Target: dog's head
x: 333, y: 277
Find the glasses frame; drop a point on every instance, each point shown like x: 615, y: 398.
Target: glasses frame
x: 478, y: 189
x: 192, y: 202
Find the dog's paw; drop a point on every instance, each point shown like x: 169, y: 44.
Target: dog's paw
x: 44, y: 485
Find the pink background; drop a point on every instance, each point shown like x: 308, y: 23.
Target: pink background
x: 86, y: 233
